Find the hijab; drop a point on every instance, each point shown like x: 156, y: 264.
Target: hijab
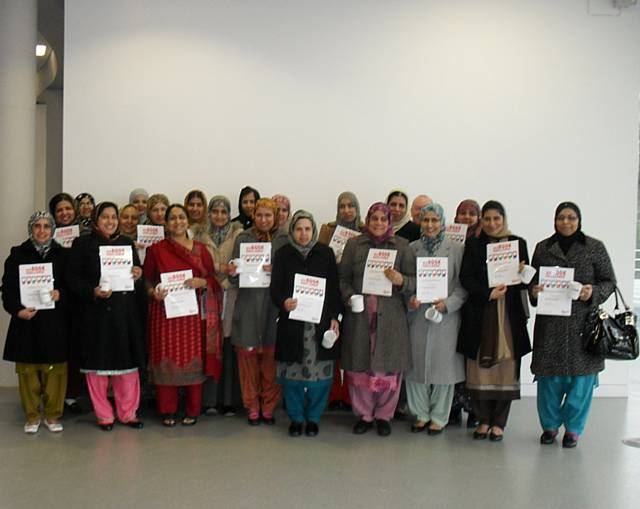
x: 265, y: 203
x: 84, y: 221
x: 196, y: 193
x: 153, y: 200
x: 218, y: 234
x: 563, y: 241
x: 99, y: 209
x: 247, y: 221
x: 378, y: 239
x: 53, y: 203
x: 407, y: 216
x: 280, y: 200
x: 138, y: 191
x: 303, y: 250
x: 496, y: 205
x: 42, y: 249
x: 432, y: 244
x: 473, y: 230
x: 352, y: 225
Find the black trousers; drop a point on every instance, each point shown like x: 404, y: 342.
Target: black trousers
x: 492, y: 412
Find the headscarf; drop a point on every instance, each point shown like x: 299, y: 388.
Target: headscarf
x: 266, y: 203
x: 153, y: 200
x: 473, y: 230
x: 387, y: 212
x: 42, y: 249
x: 196, y: 193
x: 352, y: 225
x: 496, y: 205
x: 132, y: 197
x: 53, y: 203
x: 303, y: 250
x: 99, y: 209
x: 134, y: 235
x: 280, y: 200
x: 407, y: 215
x: 563, y: 241
x: 219, y: 233
x: 243, y: 218
x: 432, y: 244
x: 86, y: 222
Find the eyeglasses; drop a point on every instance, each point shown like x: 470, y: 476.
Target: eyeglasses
x: 567, y: 218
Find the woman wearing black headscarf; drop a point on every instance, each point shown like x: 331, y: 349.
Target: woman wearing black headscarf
x: 246, y: 204
x: 565, y: 373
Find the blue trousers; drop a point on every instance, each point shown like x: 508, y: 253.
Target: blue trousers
x: 565, y: 400
x: 306, y: 402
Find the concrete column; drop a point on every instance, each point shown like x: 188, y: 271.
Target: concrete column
x: 18, y: 31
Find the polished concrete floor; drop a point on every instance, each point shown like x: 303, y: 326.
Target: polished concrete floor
x: 222, y: 462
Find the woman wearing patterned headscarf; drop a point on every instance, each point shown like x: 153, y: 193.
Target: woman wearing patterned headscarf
x: 566, y: 381
x: 139, y: 197
x: 375, y: 348
x: 254, y: 321
x: 436, y: 366
x: 468, y: 212
x: 305, y: 365
x: 38, y: 339
x: 84, y: 204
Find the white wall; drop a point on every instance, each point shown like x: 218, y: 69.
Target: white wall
x: 530, y: 102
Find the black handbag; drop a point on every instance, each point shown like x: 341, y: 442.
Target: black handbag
x: 614, y: 337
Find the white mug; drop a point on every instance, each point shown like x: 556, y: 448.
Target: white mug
x: 357, y: 303
x: 433, y: 315
x: 45, y: 296
x: 238, y: 263
x: 574, y: 290
x: 105, y: 285
x: 329, y: 338
x: 527, y: 274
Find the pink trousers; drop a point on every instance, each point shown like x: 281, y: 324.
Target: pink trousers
x: 369, y: 405
x: 126, y: 392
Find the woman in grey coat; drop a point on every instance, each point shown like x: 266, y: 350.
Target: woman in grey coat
x: 566, y: 374
x: 375, y: 351
x: 437, y: 367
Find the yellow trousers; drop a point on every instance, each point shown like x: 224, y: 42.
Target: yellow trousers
x: 42, y: 385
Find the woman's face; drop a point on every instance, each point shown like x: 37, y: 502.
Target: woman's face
x: 492, y: 222
x: 265, y: 219
x: 65, y: 214
x: 177, y: 222
x: 283, y: 213
x: 140, y: 201
x: 129, y: 220
x: 303, y: 231
x: 567, y: 222
x: 41, y: 231
x: 378, y: 223
x: 195, y: 207
x: 85, y: 207
x: 398, y: 207
x: 219, y: 216
x: 248, y: 203
x: 431, y: 224
x: 108, y: 222
x: 347, y: 210
x: 156, y: 214
x: 467, y: 216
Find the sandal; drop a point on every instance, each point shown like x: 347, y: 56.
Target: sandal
x: 189, y: 421
x: 169, y: 421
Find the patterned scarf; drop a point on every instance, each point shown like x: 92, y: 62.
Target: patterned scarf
x: 218, y: 234
x: 42, y: 249
x: 378, y: 239
x: 303, y: 250
x: 431, y: 244
x: 265, y: 203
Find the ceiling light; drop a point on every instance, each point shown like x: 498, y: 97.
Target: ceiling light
x: 41, y: 50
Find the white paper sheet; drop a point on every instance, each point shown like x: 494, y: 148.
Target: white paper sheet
x: 456, y: 232
x: 33, y: 278
x: 181, y: 300
x: 374, y: 281
x: 555, y: 299
x: 65, y: 235
x: 309, y: 292
x: 432, y: 280
x: 254, y: 256
x: 116, y: 263
x: 148, y: 235
x: 339, y: 239
x: 503, y: 262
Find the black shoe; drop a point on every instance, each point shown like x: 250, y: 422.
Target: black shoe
x: 384, y: 428
x: 434, y: 431
x: 361, y: 427
x: 105, y: 427
x: 548, y: 437
x: 418, y: 429
x: 312, y: 429
x: 569, y: 440
x: 228, y: 411
x: 295, y: 429
x: 189, y: 421
x: 480, y: 435
x: 253, y: 422
x: 495, y: 438
x: 135, y: 424
x: 269, y: 420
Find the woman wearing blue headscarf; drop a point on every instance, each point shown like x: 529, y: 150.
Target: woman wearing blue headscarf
x: 437, y: 367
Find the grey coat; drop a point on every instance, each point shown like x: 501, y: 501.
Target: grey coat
x: 557, y: 345
x: 433, y: 345
x: 254, y: 315
x: 392, y: 352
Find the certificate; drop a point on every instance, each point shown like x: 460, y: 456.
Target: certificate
x: 34, y: 278
x: 555, y: 298
x: 456, y: 232
x: 116, y: 263
x: 148, y: 235
x: 180, y: 300
x: 432, y: 281
x: 254, y: 256
x: 374, y: 281
x: 503, y: 263
x: 66, y: 234
x: 339, y: 239
x: 309, y: 291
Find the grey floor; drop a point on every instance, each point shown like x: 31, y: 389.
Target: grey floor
x: 222, y: 462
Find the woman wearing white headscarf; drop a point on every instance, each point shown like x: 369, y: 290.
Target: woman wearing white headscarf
x: 139, y: 197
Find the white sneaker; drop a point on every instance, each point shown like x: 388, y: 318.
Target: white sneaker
x: 32, y: 427
x: 54, y: 427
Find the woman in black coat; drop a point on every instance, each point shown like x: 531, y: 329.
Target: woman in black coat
x: 305, y: 363
x: 493, y: 334
x: 109, y: 322
x: 37, y: 339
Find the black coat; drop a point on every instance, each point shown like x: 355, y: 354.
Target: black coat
x: 410, y: 231
x: 288, y: 262
x: 474, y: 279
x: 111, y: 331
x: 45, y: 338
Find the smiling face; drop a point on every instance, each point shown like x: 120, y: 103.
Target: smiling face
x: 41, y: 231
x: 140, y: 201
x: 108, y: 222
x: 65, y: 214
x: 219, y: 216
x: 416, y: 207
x: 85, y: 207
x: 467, y: 216
x: 378, y: 223
x: 195, y: 207
x: 265, y: 219
x: 567, y: 222
x: 398, y: 206
x: 347, y: 210
x: 248, y: 203
x: 129, y: 220
x: 492, y: 222
x: 177, y: 222
x: 303, y: 231
x: 156, y: 214
x: 431, y: 224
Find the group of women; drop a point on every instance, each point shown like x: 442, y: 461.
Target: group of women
x: 243, y: 347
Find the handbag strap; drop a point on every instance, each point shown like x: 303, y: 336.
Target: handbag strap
x: 617, y: 293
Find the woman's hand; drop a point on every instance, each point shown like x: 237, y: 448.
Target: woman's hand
x: 266, y: 267
x: 137, y: 272
x: 196, y: 282
x: 521, y: 267
x: 586, y: 293
x: 439, y: 305
x: 394, y: 276
x: 139, y: 246
x: 27, y: 313
x: 498, y: 292
x: 414, y: 303
x: 55, y: 295
x: 335, y: 327
x: 223, y: 268
x: 290, y: 304
x: 100, y: 294
x: 232, y: 269
x: 159, y: 294
x: 537, y: 290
